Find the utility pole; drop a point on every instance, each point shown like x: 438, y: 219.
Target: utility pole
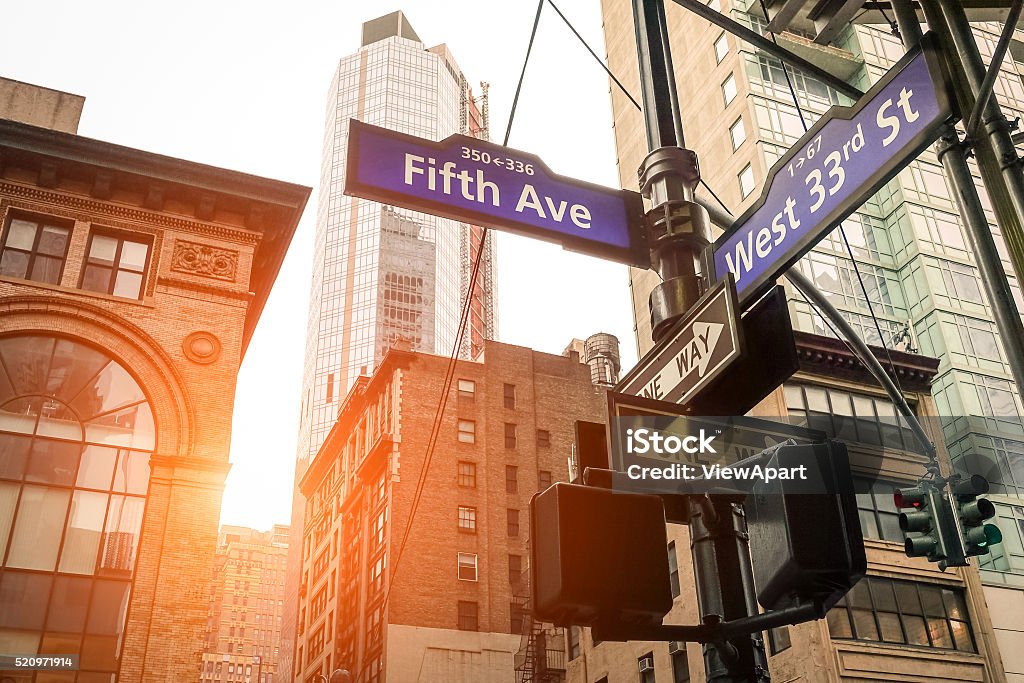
x: 679, y: 232
x: 1003, y: 178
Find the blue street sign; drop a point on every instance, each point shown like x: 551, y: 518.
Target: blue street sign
x: 845, y: 158
x: 481, y: 183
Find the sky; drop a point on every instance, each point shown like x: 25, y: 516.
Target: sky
x: 243, y: 85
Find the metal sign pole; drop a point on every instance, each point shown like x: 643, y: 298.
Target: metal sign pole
x: 679, y: 231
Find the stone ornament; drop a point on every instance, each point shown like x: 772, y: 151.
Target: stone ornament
x: 201, y: 347
x: 204, y: 260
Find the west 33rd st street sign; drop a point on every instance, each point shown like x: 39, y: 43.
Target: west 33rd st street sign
x: 841, y: 161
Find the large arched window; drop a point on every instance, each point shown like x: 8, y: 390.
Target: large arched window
x: 76, y: 434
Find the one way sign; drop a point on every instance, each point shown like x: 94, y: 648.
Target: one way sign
x: 694, y: 352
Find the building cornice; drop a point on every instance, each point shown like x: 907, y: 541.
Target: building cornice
x: 830, y: 357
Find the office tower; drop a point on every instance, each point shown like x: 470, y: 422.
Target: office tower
x: 448, y: 604
x: 907, y: 242
x: 130, y: 284
x: 383, y: 274
x: 243, y: 628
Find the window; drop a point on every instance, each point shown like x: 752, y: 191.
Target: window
x: 721, y: 48
x: 737, y: 133
x: 848, y: 416
x: 515, y: 568
x: 673, y: 569
x: 34, y: 249
x: 510, y: 396
x: 574, y: 642
x: 467, y: 431
x: 778, y: 639
x: 467, y: 567
x: 516, y: 618
x: 512, y: 519
x: 680, y: 666
x: 879, y: 518
x: 115, y: 265
x: 511, y: 479
x: 467, y: 519
x: 543, y: 438
x: 467, y: 389
x: 510, y: 435
x: 645, y: 665
x: 467, y: 474
x: 543, y: 480
x: 468, y: 616
x: 746, y: 178
x: 905, y: 612
x: 729, y: 89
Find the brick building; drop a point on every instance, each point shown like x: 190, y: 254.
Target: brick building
x: 454, y: 611
x: 130, y: 285
x: 243, y: 628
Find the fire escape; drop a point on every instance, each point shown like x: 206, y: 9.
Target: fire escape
x: 541, y: 656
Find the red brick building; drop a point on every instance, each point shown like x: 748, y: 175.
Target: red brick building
x: 130, y: 285
x: 452, y: 613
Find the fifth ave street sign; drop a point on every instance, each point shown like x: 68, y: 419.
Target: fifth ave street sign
x: 697, y: 348
x: 845, y: 158
x: 481, y: 183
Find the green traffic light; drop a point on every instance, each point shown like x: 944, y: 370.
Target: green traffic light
x: 983, y: 536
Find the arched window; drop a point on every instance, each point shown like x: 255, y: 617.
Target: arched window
x: 76, y: 435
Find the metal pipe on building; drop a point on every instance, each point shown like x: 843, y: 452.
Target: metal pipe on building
x: 995, y: 149
x: 952, y: 153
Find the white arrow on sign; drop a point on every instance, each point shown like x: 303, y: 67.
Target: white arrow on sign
x: 694, y: 351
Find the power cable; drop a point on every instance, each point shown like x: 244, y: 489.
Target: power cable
x: 450, y: 372
x: 842, y: 230
x: 621, y: 86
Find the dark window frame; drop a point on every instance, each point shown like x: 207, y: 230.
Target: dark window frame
x: 511, y: 438
x: 512, y: 522
x: 41, y: 221
x: 543, y: 438
x: 466, y: 479
x: 509, y: 396
x: 511, y: 479
x: 515, y: 568
x: 470, y: 526
x: 468, y: 615
x: 779, y: 640
x: 121, y: 236
x: 673, y: 569
x: 842, y: 614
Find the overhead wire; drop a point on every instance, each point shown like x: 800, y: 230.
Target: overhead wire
x: 842, y: 230
x: 622, y: 87
x: 460, y: 336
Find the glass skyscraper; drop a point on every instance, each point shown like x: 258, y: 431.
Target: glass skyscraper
x: 384, y: 275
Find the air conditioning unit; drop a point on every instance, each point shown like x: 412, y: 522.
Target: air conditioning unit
x: 646, y: 664
x: 675, y: 646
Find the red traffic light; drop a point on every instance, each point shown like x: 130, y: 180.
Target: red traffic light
x: 908, y: 498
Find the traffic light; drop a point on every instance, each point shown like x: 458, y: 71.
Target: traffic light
x: 806, y: 543
x: 973, y: 512
x: 927, y: 520
x: 598, y: 555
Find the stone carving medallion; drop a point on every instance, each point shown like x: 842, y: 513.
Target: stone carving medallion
x: 201, y: 259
